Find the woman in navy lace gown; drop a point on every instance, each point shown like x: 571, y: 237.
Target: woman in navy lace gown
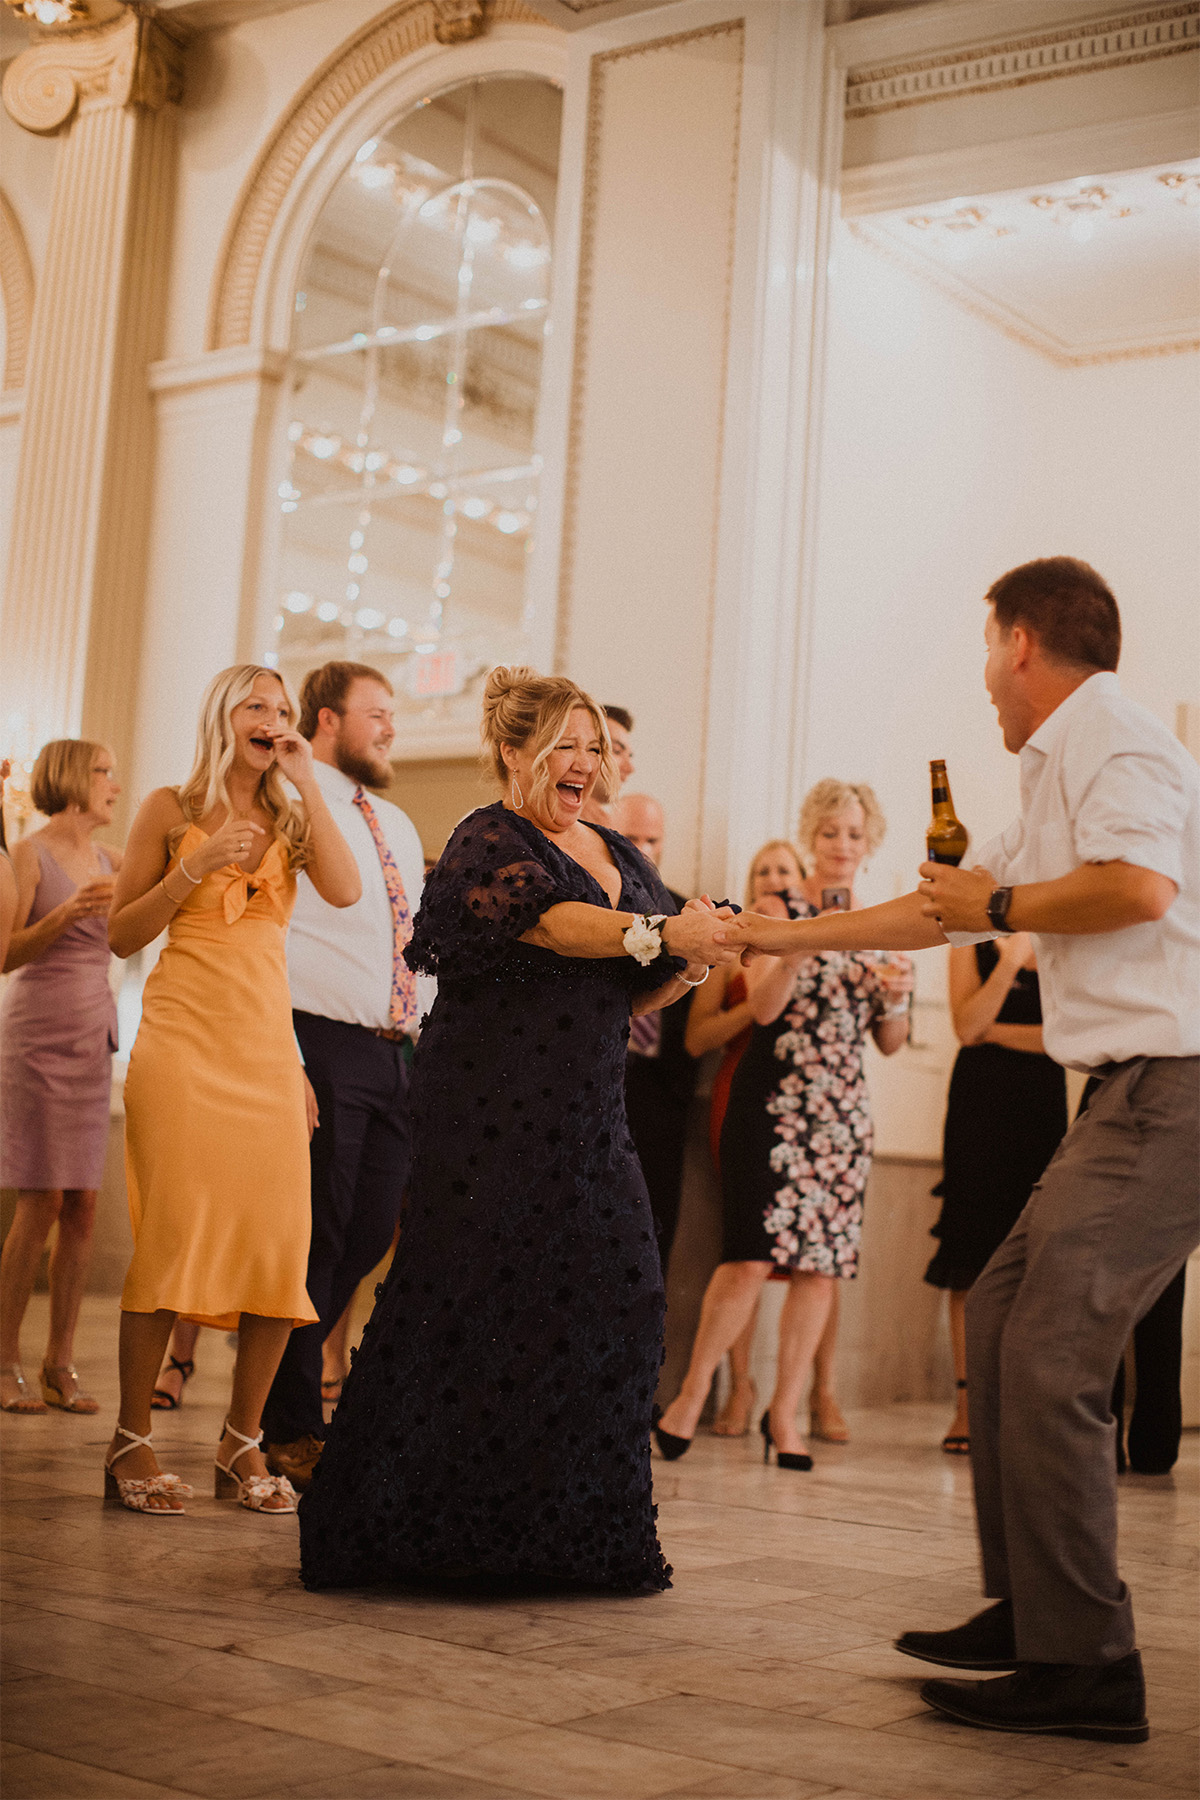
x: 495, y: 1422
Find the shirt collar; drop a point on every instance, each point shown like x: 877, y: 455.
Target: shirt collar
x: 1043, y: 740
x: 333, y: 783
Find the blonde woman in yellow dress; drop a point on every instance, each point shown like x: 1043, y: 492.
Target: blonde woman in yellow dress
x: 216, y: 1133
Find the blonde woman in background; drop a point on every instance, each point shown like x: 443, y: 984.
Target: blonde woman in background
x: 216, y: 1126
x: 721, y: 1019
x: 58, y: 1031
x: 796, y: 1143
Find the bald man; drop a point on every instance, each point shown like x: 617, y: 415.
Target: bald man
x: 660, y: 1076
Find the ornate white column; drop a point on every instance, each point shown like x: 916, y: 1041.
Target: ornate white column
x: 72, y: 614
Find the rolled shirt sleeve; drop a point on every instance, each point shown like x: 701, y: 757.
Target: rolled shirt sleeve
x: 1134, y: 812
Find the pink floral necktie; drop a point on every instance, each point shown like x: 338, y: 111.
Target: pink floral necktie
x: 402, y: 1011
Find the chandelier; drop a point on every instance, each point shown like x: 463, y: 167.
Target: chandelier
x: 50, y: 12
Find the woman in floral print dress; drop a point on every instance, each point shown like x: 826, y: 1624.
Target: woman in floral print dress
x: 796, y: 1143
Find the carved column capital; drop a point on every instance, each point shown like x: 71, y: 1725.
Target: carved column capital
x: 457, y: 20
x: 129, y: 60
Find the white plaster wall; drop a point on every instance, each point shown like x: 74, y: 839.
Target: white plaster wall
x: 952, y: 453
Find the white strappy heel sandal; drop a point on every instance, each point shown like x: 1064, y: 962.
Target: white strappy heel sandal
x: 139, y: 1492
x: 253, y: 1491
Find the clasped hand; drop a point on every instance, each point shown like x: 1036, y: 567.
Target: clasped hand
x: 956, y: 898
x: 695, y: 933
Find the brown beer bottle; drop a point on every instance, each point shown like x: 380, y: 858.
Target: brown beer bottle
x: 946, y: 839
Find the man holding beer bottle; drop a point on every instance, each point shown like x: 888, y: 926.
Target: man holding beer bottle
x: 1103, y: 868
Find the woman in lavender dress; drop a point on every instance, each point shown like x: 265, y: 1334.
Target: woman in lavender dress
x: 58, y: 1030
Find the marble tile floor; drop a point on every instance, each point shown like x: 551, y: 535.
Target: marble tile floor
x: 146, y: 1659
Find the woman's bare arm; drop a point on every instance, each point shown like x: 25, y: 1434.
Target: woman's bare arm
x: 8, y: 905
x: 770, y: 979
x: 1016, y: 1037
x: 28, y: 942
x: 573, y: 928
x: 708, y: 1026
x: 975, y: 1004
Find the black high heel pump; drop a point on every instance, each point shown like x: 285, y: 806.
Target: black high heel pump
x: 670, y: 1447
x: 785, y: 1459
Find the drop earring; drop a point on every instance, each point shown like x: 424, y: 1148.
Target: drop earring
x: 518, y: 798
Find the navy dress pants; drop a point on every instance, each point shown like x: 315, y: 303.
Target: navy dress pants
x: 360, y: 1159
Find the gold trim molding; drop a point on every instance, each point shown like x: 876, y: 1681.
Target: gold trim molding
x: 16, y: 284
x: 130, y: 61
x: 410, y: 26
x: 1106, y: 43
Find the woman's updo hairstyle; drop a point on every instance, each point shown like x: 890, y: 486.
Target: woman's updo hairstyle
x: 831, y: 796
x: 527, y: 711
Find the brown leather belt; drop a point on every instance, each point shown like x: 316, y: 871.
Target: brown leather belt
x: 392, y: 1033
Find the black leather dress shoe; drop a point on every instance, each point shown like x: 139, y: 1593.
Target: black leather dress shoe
x: 984, y: 1642
x: 1106, y: 1701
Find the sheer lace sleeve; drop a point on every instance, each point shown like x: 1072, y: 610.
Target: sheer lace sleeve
x: 487, y: 890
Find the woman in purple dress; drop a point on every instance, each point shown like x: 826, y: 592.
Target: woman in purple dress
x: 58, y: 1030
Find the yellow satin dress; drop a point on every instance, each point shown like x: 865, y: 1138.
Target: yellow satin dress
x: 216, y: 1141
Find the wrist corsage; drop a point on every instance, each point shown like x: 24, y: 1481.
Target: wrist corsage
x: 643, y: 939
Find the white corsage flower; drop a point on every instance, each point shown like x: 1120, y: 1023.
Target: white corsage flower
x: 643, y: 940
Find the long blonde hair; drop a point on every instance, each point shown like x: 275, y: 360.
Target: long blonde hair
x: 206, y: 786
x: 771, y: 844
x: 522, y: 708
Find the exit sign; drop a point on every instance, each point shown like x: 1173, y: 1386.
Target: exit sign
x: 434, y: 672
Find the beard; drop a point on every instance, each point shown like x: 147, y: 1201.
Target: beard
x: 367, y: 771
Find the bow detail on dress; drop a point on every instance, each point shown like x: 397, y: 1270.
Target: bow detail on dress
x: 267, y: 882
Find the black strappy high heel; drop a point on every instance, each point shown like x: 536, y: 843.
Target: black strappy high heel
x: 784, y: 1459
x: 957, y: 1443
x: 162, y: 1399
x: 670, y: 1447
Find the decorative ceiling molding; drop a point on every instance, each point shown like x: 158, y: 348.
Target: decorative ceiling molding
x: 1037, y: 157
x: 16, y: 285
x: 1015, y: 325
x: 1143, y: 36
x: 407, y: 28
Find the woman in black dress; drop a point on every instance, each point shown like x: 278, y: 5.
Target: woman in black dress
x: 495, y: 1422
x: 1006, y: 1113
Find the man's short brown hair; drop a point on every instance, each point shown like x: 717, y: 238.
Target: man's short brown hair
x: 1066, y: 605
x: 620, y: 715
x: 328, y: 686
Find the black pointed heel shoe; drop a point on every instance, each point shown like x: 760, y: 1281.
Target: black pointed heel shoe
x: 784, y: 1459
x: 670, y: 1447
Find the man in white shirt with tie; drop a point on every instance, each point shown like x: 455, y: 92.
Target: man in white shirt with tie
x: 1103, y: 867
x: 355, y: 1010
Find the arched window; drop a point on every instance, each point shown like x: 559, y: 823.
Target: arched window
x: 411, y: 491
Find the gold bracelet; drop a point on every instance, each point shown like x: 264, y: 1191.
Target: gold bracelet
x: 166, y: 890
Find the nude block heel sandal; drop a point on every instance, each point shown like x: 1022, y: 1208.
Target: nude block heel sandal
x: 138, y: 1492
x: 253, y: 1491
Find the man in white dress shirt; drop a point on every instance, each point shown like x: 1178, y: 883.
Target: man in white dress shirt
x: 355, y: 1010
x: 1103, y: 867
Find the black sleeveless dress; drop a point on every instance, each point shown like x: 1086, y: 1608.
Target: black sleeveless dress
x: 1005, y: 1116
x: 496, y: 1420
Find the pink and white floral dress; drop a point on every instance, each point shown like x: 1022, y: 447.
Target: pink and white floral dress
x: 797, y: 1140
